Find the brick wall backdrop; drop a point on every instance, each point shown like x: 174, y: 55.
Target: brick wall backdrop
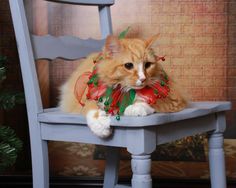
x: 193, y: 37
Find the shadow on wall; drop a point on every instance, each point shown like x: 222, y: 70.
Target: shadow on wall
x: 231, y: 69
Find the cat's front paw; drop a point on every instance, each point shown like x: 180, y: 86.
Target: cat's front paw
x: 139, y: 109
x: 99, y: 123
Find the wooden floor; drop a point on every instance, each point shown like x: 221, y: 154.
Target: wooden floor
x: 85, y: 182
x: 96, y: 186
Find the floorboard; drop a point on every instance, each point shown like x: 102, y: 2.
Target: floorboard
x: 88, y: 182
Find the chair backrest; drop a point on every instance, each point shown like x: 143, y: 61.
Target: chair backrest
x: 31, y: 47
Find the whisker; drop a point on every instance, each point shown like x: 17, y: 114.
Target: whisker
x: 152, y: 82
x: 155, y: 78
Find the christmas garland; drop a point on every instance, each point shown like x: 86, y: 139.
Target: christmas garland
x: 112, y: 98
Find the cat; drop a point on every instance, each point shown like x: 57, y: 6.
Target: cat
x: 126, y: 69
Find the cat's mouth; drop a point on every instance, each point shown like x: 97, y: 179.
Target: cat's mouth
x: 127, y: 88
x: 138, y: 87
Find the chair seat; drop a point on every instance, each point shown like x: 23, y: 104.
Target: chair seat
x: 194, y: 109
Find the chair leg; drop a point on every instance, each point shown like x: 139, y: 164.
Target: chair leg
x: 141, y: 168
x: 39, y: 152
x: 112, y: 167
x: 217, y: 160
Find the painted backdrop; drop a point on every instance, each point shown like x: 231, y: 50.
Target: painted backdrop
x: 198, y: 39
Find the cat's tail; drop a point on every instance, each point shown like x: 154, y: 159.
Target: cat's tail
x: 67, y: 101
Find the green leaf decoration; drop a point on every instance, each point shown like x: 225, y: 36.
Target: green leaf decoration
x: 100, y: 58
x: 163, y: 83
x: 123, y: 105
x: 165, y: 75
x: 124, y: 33
x: 155, y: 91
x: 108, y: 97
x: 9, y: 99
x: 10, y: 145
x: 3, y: 60
x: 2, y: 73
x: 94, y: 80
x: 127, y: 100
x: 108, y: 92
x: 132, y: 94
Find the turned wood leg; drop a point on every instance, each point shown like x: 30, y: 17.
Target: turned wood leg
x: 217, y: 160
x: 141, y: 168
x: 112, y: 167
x: 141, y: 143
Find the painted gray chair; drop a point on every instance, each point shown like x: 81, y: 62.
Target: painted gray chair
x: 140, y: 135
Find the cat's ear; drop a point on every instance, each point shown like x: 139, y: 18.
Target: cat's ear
x: 112, y: 45
x: 150, y: 41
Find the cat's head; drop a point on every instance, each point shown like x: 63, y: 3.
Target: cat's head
x: 130, y: 63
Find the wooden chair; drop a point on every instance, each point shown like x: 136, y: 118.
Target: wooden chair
x: 140, y: 135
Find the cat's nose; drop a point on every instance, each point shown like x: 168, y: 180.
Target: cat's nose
x: 142, y: 79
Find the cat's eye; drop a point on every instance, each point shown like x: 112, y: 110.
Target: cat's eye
x: 147, y: 65
x: 129, y: 66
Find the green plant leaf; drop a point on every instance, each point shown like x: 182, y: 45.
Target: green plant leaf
x: 10, y: 145
x: 2, y: 73
x: 9, y: 99
x: 3, y: 60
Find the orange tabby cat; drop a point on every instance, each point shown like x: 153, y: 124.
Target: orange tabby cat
x: 129, y: 64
